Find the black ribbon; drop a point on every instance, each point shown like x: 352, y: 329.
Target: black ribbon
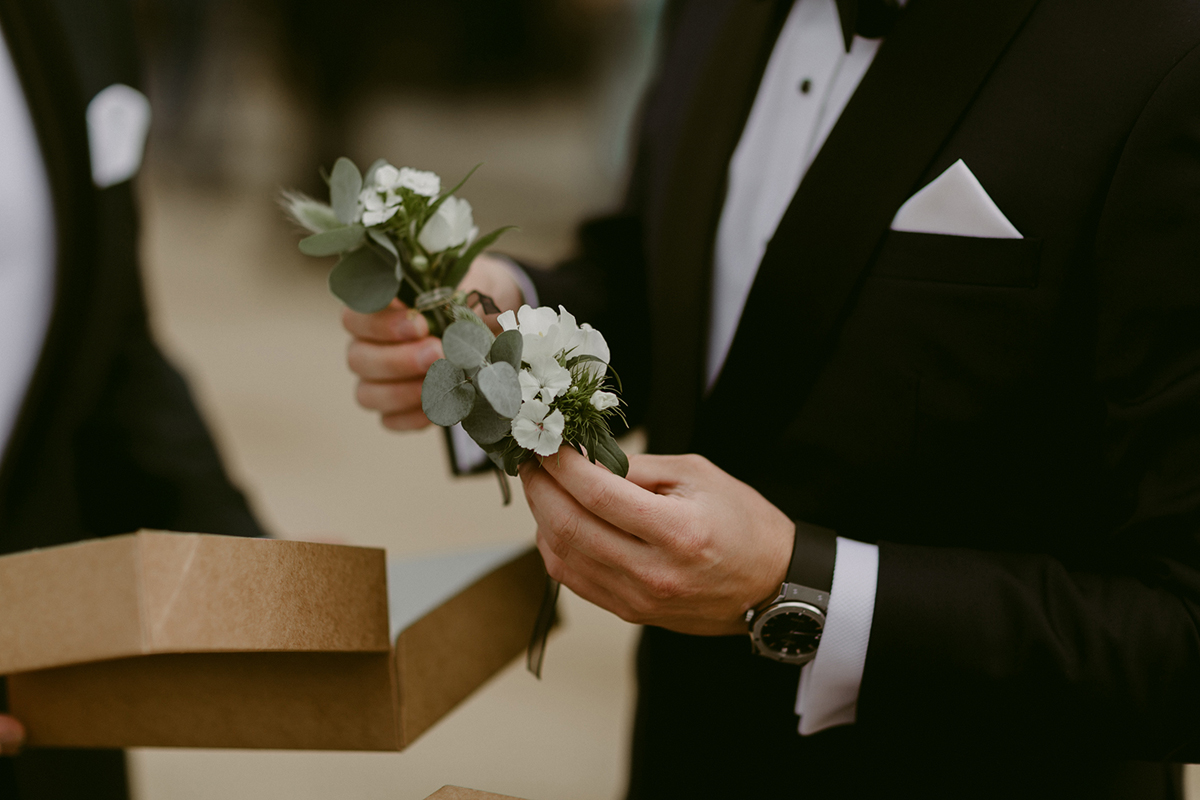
x: 547, y: 615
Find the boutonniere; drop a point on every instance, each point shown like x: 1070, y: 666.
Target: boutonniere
x: 542, y: 382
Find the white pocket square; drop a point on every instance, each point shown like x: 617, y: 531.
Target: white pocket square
x: 118, y: 119
x: 955, y: 204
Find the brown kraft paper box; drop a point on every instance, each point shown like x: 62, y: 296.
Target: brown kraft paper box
x: 187, y: 640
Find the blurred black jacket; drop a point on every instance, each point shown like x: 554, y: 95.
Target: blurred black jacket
x: 108, y: 439
x: 1016, y: 422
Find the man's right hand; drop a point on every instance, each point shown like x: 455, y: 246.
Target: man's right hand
x: 392, y: 349
x: 391, y: 352
x: 12, y: 735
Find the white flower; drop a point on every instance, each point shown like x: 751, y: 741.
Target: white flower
x: 590, y: 342
x: 602, y: 401
x: 547, y: 333
x: 530, y: 386
x: 450, y: 226
x: 545, y: 377
x: 537, y: 428
x: 541, y: 331
x: 422, y: 182
x: 376, y: 209
x: 387, y: 177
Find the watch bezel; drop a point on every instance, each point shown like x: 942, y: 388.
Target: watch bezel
x: 779, y: 609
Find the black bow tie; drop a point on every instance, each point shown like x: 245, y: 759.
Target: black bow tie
x: 870, y: 19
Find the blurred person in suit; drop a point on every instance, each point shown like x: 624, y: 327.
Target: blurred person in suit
x: 919, y: 282
x: 99, y: 433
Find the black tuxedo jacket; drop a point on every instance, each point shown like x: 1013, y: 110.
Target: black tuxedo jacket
x: 108, y: 439
x: 1016, y: 422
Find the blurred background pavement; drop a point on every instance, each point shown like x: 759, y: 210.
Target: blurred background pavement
x: 252, y: 96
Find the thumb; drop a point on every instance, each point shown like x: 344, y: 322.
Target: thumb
x: 12, y: 735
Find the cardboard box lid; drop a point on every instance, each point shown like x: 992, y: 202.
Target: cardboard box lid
x: 158, y: 592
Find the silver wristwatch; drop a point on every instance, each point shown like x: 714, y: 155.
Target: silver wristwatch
x: 789, y: 628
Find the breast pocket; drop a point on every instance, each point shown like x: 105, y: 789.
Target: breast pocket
x: 967, y: 260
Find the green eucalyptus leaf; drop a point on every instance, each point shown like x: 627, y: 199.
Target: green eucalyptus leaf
x: 447, y: 395
x: 507, y: 348
x: 345, y: 184
x: 465, y: 314
x: 329, y: 243
x: 466, y: 344
x: 485, y: 426
x: 609, y: 453
x: 364, y: 281
x: 500, y: 385
x: 455, y: 274
x: 312, y: 215
x: 380, y: 238
x: 513, y: 462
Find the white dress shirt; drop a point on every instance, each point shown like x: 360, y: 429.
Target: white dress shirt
x: 27, y: 246
x: 808, y: 81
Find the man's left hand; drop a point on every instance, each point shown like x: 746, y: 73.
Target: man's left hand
x: 681, y: 544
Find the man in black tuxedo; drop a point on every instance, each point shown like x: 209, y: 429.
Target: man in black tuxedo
x: 1004, y: 412
x: 103, y: 437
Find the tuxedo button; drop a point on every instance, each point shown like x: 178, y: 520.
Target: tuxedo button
x: 805, y: 86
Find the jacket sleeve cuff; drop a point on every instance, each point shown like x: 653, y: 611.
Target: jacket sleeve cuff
x: 829, y: 684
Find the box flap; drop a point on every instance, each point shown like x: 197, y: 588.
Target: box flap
x: 55, y: 608
x: 417, y: 586
x: 450, y: 652
x: 156, y: 592
x: 224, y: 594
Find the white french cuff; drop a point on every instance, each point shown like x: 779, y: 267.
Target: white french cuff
x: 829, y: 684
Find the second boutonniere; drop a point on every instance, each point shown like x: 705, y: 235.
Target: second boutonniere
x: 541, y: 383
x: 398, y: 235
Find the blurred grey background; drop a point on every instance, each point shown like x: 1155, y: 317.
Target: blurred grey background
x: 253, y: 96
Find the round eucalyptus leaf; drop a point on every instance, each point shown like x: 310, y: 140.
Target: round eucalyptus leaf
x: 363, y: 281
x: 500, y: 385
x: 485, y: 426
x: 467, y: 344
x: 345, y: 184
x: 329, y: 243
x: 446, y: 395
x: 380, y: 238
x: 508, y: 347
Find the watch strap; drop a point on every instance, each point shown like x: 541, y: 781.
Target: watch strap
x: 813, y: 555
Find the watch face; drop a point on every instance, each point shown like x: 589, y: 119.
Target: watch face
x: 791, y: 632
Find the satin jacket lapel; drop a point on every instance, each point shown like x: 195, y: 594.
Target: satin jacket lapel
x: 45, y: 63
x: 924, y: 76
x: 681, y: 243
